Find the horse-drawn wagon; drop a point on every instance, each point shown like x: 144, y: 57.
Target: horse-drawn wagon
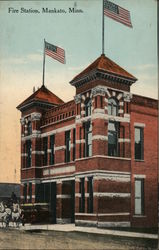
x: 36, y: 212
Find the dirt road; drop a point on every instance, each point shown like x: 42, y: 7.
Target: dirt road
x: 17, y: 239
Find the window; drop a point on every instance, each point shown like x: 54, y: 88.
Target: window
x: 112, y: 107
x: 30, y: 192
x: 24, y: 158
x: 82, y: 198
x: 52, y: 145
x: 68, y: 146
x: 101, y: 101
x: 29, y: 128
x: 88, y: 138
x: 112, y: 138
x: 139, y: 144
x: 28, y: 151
x: 88, y: 107
x: 45, y: 142
x: 74, y: 144
x: 39, y: 192
x: 25, y: 192
x: 127, y: 107
x: 90, y: 191
x: 95, y: 102
x: 139, y: 196
x: 80, y: 146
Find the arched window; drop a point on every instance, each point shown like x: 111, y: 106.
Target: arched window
x: 112, y: 107
x: 29, y: 128
x: 88, y: 107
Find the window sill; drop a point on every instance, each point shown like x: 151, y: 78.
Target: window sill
x: 138, y: 160
x: 118, y: 157
x: 139, y: 216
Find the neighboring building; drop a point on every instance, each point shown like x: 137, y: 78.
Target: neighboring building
x: 6, y: 190
x: 93, y: 159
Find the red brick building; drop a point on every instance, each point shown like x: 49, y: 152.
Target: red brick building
x: 93, y: 159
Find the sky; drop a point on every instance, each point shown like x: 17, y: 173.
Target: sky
x: 80, y: 35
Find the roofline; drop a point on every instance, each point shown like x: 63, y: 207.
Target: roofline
x: 33, y: 97
x: 78, y: 76
x: 94, y: 74
x: 145, y: 97
x: 20, y: 107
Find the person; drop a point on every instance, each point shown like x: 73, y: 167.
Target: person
x: 13, y: 198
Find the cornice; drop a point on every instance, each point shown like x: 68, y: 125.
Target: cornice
x: 99, y: 74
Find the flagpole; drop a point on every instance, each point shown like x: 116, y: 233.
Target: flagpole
x: 103, y: 30
x: 43, y: 64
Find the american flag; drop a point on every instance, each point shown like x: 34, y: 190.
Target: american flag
x: 117, y: 13
x: 55, y: 52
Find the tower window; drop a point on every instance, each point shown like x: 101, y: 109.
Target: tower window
x: 88, y: 138
x: 45, y: 142
x: 29, y: 152
x: 112, y: 138
x: 112, y: 107
x: 88, y: 107
x: 29, y: 128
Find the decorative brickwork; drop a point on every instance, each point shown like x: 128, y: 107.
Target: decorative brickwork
x: 79, y: 157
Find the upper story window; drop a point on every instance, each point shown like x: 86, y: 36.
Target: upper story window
x: 74, y: 144
x: 52, y: 153
x: 29, y: 153
x: 68, y: 146
x: 139, y: 143
x: 88, y: 107
x: 88, y: 138
x: 45, y: 146
x: 29, y: 128
x: 113, y: 138
x: 112, y: 107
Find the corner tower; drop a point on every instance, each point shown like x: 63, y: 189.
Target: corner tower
x: 32, y: 157
x: 104, y: 149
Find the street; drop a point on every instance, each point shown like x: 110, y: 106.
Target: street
x: 19, y: 239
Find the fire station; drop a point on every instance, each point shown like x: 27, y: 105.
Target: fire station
x: 93, y: 160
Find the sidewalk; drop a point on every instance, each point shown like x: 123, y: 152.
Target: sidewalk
x: 92, y: 230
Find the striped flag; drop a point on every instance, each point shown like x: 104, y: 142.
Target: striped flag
x: 55, y: 52
x: 117, y: 13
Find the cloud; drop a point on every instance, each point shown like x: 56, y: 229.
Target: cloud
x: 143, y: 67
x: 78, y: 68
x: 15, y: 60
x: 146, y: 85
x: 36, y: 57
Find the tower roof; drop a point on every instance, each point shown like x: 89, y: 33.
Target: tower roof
x: 105, y: 65
x: 42, y: 95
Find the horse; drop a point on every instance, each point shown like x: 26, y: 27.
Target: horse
x: 16, y: 214
x: 5, y: 214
